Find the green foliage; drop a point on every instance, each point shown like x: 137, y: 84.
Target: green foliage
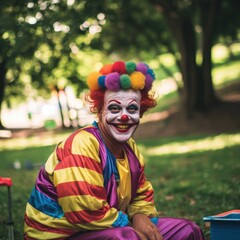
x: 193, y: 177
x: 41, y: 44
x: 46, y: 43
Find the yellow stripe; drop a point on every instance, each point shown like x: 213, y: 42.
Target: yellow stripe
x: 124, y: 188
x: 86, y: 144
x: 147, y: 186
x: 78, y: 174
x: 47, y: 220
x: 51, y: 163
x: 34, y: 233
x: 106, y: 222
x: 143, y: 207
x: 83, y: 202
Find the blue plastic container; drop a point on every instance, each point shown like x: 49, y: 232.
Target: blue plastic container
x: 225, y: 226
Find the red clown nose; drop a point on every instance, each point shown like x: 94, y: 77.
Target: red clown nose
x: 124, y: 118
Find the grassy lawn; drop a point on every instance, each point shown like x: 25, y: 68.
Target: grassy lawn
x: 193, y: 177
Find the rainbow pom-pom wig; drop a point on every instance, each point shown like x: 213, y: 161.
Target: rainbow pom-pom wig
x: 121, y: 75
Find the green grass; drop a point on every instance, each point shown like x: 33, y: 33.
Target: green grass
x: 193, y: 177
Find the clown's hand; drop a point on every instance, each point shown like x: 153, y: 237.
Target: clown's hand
x: 145, y: 229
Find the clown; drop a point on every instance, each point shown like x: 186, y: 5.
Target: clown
x: 93, y: 185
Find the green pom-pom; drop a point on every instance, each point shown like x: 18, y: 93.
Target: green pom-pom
x: 125, y: 81
x: 130, y: 67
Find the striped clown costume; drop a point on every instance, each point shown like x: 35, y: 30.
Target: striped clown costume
x: 93, y: 185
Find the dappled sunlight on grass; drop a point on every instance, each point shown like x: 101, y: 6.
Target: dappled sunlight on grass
x: 231, y: 72
x: 34, y: 141
x: 192, y: 176
x: 198, y: 145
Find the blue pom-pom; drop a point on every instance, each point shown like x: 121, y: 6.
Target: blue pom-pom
x: 151, y: 73
x: 101, y: 82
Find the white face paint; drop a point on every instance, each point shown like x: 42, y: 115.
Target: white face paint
x: 121, y: 113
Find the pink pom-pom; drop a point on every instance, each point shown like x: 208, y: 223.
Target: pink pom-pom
x: 112, y: 81
x: 148, y: 82
x: 119, y: 67
x: 142, y: 67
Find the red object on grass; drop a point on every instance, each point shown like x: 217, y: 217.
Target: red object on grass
x: 5, y: 182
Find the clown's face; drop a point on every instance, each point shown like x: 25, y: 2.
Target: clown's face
x: 121, y: 114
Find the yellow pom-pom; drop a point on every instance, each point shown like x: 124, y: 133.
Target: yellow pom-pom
x: 92, y: 81
x: 137, y: 80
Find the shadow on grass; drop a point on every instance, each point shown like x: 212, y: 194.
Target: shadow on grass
x: 190, y: 184
x: 197, y: 184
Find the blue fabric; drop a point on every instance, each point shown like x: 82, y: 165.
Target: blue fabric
x: 110, y: 167
x: 154, y: 220
x: 45, y: 204
x: 121, y: 221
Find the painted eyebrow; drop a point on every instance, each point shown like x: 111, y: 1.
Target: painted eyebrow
x: 114, y: 101
x: 134, y: 100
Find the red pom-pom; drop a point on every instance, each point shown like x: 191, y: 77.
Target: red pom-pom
x: 119, y: 67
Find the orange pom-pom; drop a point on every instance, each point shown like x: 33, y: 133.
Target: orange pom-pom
x: 92, y: 81
x: 137, y: 80
x: 119, y: 67
x: 106, y: 69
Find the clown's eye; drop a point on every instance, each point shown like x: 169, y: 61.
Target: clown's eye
x: 132, y: 108
x: 113, y: 108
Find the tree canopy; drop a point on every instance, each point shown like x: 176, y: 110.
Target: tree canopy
x: 49, y: 44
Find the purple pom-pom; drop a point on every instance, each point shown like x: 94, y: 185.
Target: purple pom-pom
x: 112, y: 81
x: 142, y: 67
x: 148, y: 82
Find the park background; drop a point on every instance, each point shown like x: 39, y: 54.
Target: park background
x: 190, y: 141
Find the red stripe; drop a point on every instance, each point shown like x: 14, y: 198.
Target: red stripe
x: 149, y: 196
x: 43, y: 228
x: 79, y: 161
x: 60, y: 153
x: 68, y: 143
x: 142, y: 178
x: 86, y: 216
x: 67, y: 148
x: 236, y: 211
x: 80, y: 188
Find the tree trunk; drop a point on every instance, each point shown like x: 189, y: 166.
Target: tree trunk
x: 60, y: 106
x: 208, y: 16
x: 183, y: 31
x: 198, y: 86
x: 3, y: 72
x: 189, y: 66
